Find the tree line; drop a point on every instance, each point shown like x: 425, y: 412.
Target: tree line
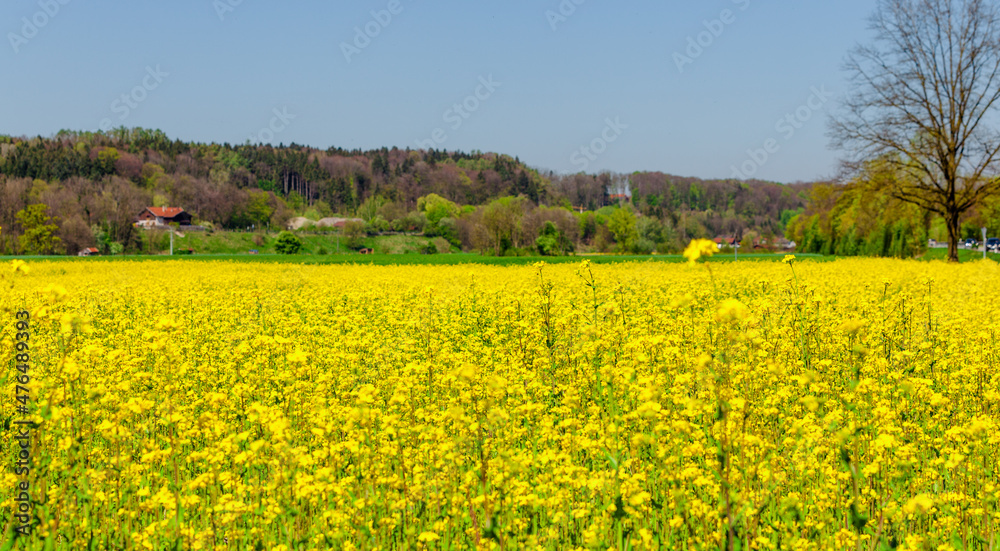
x: 93, y: 185
x: 864, y: 217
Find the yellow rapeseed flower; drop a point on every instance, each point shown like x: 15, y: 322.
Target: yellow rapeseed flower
x: 212, y: 401
x: 428, y: 536
x: 699, y: 248
x: 920, y: 503
x: 732, y: 310
x: 74, y: 323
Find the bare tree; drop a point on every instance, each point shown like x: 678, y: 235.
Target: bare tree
x: 923, y: 98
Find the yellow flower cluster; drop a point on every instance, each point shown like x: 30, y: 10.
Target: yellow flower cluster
x: 632, y: 406
x: 699, y: 248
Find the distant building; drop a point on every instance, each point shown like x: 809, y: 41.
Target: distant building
x: 301, y: 222
x: 726, y: 242
x: 161, y: 217
x: 89, y: 251
x: 783, y: 243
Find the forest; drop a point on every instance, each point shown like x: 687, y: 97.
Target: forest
x: 74, y: 190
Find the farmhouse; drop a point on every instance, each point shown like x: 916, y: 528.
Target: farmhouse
x: 726, y: 242
x: 89, y: 251
x: 154, y: 217
x: 785, y: 243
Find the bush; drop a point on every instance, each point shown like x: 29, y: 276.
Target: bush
x: 288, y: 243
x: 548, y: 242
x: 443, y: 246
x: 412, y: 222
x: 552, y: 242
x: 643, y: 246
x: 354, y: 235
x: 377, y: 225
x: 446, y: 228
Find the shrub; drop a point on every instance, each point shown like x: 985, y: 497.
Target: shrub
x: 443, y: 246
x: 643, y: 246
x: 354, y: 235
x: 288, y: 243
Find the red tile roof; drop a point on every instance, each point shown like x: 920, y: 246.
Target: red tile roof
x: 165, y: 212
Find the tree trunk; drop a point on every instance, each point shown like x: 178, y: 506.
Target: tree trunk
x: 951, y: 219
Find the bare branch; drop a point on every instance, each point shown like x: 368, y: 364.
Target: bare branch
x: 924, y: 93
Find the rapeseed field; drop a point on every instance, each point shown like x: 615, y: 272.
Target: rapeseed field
x: 796, y: 405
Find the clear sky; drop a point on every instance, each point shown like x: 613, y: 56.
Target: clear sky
x: 552, y: 77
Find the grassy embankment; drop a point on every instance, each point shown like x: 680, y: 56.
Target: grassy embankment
x: 236, y: 243
x: 402, y: 250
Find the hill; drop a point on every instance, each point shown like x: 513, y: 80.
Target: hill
x: 93, y: 185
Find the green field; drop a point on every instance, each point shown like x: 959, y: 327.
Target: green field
x: 964, y: 255
x: 241, y: 243
x: 405, y: 250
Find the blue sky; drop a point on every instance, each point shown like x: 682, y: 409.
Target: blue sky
x: 595, y: 85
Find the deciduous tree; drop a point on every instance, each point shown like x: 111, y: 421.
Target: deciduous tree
x: 922, y: 100
x: 621, y: 224
x: 38, y: 231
